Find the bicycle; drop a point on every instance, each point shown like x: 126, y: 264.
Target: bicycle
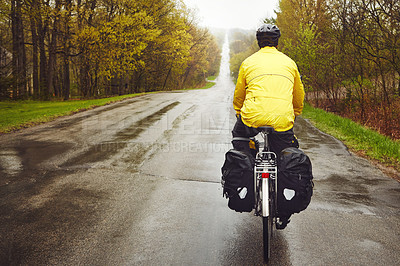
x: 265, y: 188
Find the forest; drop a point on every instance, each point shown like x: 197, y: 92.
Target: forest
x: 58, y: 49
x: 348, y: 53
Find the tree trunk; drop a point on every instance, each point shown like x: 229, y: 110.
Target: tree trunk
x: 42, y: 30
x: 87, y: 88
x: 398, y: 85
x: 84, y: 77
x: 166, y: 78
x: 15, y: 48
x: 22, y: 53
x: 66, y: 77
x: 35, y: 51
x: 53, y: 50
x: 186, y: 75
x: 19, y: 53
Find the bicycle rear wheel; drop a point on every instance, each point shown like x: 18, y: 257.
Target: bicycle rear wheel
x: 268, y: 221
x: 267, y: 234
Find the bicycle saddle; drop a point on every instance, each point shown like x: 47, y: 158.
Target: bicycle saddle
x: 266, y: 129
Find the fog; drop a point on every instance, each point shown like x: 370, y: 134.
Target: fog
x: 227, y: 14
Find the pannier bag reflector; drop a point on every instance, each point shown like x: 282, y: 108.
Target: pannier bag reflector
x: 289, y: 193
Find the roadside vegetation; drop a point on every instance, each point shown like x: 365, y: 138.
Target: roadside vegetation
x: 348, y: 53
x: 360, y: 139
x: 95, y: 49
x: 15, y: 115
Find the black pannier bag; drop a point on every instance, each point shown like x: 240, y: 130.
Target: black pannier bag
x: 237, y: 180
x: 295, y: 185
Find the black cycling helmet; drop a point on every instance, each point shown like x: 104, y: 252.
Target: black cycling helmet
x: 268, y: 35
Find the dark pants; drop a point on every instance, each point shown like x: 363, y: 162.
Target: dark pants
x: 277, y: 140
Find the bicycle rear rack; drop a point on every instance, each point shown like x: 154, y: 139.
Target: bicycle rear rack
x: 265, y: 167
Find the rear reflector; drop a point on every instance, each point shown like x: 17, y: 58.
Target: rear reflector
x: 265, y: 175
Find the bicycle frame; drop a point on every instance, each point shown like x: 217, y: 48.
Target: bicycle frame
x: 266, y: 171
x: 265, y: 189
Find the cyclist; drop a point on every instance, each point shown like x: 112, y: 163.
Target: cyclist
x: 268, y: 92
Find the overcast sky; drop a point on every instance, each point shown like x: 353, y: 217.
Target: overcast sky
x: 246, y: 14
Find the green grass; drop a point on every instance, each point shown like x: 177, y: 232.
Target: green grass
x: 16, y: 115
x: 208, y: 85
x: 355, y: 136
x: 212, y: 77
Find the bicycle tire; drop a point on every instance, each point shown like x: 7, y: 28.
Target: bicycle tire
x: 268, y: 222
x: 267, y: 230
x: 272, y: 206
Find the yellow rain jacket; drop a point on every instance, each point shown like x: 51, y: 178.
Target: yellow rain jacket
x: 269, y: 91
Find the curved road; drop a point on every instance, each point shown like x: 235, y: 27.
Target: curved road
x: 137, y: 183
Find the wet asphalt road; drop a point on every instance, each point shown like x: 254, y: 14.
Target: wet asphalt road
x: 137, y: 183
